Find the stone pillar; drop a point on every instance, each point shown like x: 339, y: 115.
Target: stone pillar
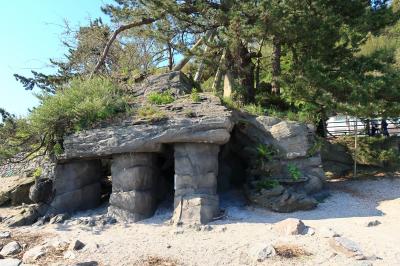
x: 134, y: 180
x: 76, y: 186
x: 196, y: 169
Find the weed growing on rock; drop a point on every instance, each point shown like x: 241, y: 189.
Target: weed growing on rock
x: 158, y: 98
x: 294, y: 171
x: 151, y: 112
x: 38, y: 172
x: 195, y: 96
x: 266, y: 151
x: 266, y: 184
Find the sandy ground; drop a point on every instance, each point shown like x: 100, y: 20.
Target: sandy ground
x: 155, y: 242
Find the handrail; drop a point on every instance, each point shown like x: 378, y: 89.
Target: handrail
x: 347, y: 126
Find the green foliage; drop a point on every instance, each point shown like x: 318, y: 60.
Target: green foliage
x: 266, y: 184
x: 159, y: 98
x: 254, y: 109
x: 230, y: 103
x: 16, y: 137
x: 266, y: 151
x: 304, y: 112
x: 57, y: 149
x: 294, y: 171
x: 194, y: 95
x: 206, y: 86
x: 374, y: 151
x: 38, y: 172
x: 78, y: 106
x: 126, y: 59
x: 151, y: 112
x: 391, y: 155
x: 316, y: 147
x: 350, y: 64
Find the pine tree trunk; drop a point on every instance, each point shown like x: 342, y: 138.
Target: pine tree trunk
x: 276, y: 65
x: 246, y: 73
x: 218, y: 76
x: 170, y: 57
x: 257, y: 74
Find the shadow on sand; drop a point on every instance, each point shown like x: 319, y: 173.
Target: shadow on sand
x: 359, y: 198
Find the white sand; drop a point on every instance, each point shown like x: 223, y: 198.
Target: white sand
x: 350, y: 207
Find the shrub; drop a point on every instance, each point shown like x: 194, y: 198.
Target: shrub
x: 190, y: 113
x: 77, y: 106
x: 374, y: 151
x: 165, y: 97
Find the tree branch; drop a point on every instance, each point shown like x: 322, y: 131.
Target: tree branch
x: 143, y: 21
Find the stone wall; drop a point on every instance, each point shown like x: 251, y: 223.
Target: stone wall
x: 76, y: 186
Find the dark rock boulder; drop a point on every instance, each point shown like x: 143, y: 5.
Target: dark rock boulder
x: 41, y: 191
x: 280, y: 199
x: 28, y: 215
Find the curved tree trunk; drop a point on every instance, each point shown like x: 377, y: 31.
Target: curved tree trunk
x: 170, y: 57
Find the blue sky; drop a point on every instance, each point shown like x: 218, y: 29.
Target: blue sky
x: 30, y: 33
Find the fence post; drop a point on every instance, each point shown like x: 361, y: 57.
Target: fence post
x: 355, y: 149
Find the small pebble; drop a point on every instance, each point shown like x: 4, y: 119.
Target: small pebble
x: 5, y: 234
x: 373, y: 223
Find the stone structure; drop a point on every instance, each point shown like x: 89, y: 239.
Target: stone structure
x: 194, y: 129
x: 135, y: 178
x: 196, y: 170
x: 210, y: 145
x: 290, y: 145
x: 76, y: 186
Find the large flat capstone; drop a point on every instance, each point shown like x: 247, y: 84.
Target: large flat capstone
x: 205, y: 120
